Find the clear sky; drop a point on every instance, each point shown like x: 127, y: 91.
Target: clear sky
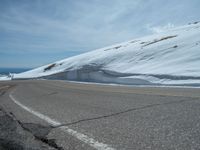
x: 36, y: 32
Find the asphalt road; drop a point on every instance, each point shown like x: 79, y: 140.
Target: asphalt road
x: 89, y: 116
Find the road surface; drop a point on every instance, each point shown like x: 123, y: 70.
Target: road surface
x: 91, y: 116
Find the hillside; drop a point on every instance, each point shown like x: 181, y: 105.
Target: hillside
x: 170, y: 58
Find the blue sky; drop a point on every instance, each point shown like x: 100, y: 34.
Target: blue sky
x: 36, y: 32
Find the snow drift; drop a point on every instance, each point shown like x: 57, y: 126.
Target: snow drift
x: 167, y: 58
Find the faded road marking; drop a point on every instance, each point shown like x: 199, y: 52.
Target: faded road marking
x: 84, y: 138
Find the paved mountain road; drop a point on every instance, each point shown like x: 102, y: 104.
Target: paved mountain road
x: 91, y: 116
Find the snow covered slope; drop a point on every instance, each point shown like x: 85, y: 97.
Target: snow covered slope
x: 4, y: 78
x: 171, y: 57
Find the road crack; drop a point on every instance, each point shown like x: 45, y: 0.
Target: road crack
x: 119, y: 113
x: 12, y: 140
x: 40, y: 133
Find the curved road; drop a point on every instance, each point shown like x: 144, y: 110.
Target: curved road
x: 91, y: 116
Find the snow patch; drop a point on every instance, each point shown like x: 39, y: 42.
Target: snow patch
x: 166, y: 58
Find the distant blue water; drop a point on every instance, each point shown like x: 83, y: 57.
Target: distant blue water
x: 6, y: 71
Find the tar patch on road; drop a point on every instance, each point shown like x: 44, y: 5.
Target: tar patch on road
x: 41, y: 132
x: 15, y: 135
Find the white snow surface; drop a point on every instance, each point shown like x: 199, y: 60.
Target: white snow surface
x: 4, y: 78
x: 167, y: 58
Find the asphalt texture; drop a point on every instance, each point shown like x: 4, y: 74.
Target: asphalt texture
x: 124, y: 118
x: 14, y: 135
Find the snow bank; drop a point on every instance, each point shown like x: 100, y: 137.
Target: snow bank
x: 165, y: 58
x: 4, y: 78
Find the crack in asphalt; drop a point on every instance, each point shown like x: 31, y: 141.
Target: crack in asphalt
x: 13, y: 134
x: 2, y: 93
x: 119, y: 113
x: 40, y: 132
